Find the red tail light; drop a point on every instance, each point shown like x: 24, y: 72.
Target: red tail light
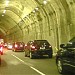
x: 25, y: 45
x: 33, y: 47
x: 1, y: 49
x: 15, y: 45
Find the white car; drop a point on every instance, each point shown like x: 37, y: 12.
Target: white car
x: 9, y: 46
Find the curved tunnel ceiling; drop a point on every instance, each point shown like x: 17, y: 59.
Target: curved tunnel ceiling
x: 11, y: 12
x: 17, y: 16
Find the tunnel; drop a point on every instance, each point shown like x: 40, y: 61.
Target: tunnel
x: 25, y: 20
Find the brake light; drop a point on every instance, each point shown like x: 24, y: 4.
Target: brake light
x: 15, y: 45
x: 25, y: 44
x: 33, y: 47
x: 1, y: 49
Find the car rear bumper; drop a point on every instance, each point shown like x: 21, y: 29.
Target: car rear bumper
x: 19, y: 49
x: 42, y: 52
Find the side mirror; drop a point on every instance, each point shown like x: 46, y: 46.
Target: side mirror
x: 62, y: 45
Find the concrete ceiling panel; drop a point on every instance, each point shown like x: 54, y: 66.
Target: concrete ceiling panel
x: 13, y: 11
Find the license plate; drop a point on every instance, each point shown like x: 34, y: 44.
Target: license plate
x: 42, y: 47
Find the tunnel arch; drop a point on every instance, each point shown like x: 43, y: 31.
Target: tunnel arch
x: 44, y: 19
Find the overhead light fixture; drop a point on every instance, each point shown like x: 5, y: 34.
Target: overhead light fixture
x: 4, y: 11
x: 7, y: 2
x: 45, y: 2
x: 34, y: 11
x: 36, y: 8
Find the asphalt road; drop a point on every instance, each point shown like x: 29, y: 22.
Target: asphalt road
x: 14, y: 63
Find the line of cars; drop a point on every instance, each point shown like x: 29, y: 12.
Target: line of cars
x: 32, y: 48
x: 18, y: 46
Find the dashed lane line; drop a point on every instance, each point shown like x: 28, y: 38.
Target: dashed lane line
x: 37, y: 70
x: 28, y: 65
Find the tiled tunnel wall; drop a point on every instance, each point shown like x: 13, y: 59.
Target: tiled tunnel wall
x: 54, y: 21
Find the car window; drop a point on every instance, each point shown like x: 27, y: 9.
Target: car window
x: 71, y: 44
x: 30, y: 42
x: 19, y: 43
x: 40, y: 42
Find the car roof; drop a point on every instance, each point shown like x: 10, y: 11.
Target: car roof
x: 18, y: 42
x: 40, y: 40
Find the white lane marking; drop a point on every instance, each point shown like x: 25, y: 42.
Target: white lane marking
x: 37, y: 70
x: 28, y: 65
x: 21, y: 60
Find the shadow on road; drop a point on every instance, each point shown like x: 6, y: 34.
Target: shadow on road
x: 43, y: 57
x: 3, y: 63
x: 68, y: 73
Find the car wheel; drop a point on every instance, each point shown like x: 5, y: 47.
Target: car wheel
x: 14, y: 50
x: 50, y: 55
x: 25, y: 54
x: 60, y: 66
x: 30, y: 54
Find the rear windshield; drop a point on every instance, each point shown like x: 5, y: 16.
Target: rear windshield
x: 71, y: 43
x: 19, y: 43
x: 40, y: 42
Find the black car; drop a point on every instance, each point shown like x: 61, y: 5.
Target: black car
x: 65, y: 57
x: 38, y: 48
